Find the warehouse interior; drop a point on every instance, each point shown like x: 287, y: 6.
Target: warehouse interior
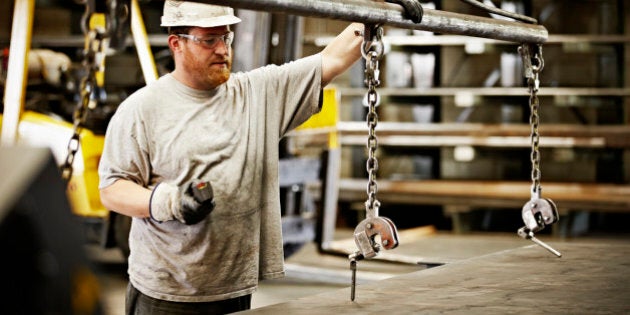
x: 456, y: 159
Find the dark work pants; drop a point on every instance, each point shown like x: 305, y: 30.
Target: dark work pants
x: 140, y: 304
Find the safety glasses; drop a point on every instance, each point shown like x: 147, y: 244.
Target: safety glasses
x: 212, y: 40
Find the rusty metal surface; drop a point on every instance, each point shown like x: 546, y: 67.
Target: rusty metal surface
x: 377, y: 12
x: 589, y: 279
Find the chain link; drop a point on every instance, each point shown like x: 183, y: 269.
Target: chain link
x: 93, y: 54
x: 533, y: 83
x: 372, y: 51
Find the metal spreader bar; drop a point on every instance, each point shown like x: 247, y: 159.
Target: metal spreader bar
x: 376, y: 12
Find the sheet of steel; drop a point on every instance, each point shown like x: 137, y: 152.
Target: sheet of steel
x: 590, y: 278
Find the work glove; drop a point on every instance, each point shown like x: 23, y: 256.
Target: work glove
x: 413, y: 9
x: 188, y: 204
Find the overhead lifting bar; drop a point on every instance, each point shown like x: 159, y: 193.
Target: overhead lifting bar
x: 376, y: 12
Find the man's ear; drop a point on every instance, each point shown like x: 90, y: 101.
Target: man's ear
x: 174, y: 43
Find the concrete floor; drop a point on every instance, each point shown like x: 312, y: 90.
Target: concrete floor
x: 309, y: 272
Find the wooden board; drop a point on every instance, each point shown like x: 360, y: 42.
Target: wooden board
x: 589, y: 279
x: 594, y: 197
x: 471, y: 134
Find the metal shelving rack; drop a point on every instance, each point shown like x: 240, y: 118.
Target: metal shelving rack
x: 494, y: 138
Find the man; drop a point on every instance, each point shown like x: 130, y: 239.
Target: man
x: 201, y: 123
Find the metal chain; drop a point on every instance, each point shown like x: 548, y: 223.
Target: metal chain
x: 534, y: 119
x: 372, y: 51
x: 93, y: 54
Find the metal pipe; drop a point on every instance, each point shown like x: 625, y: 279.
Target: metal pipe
x: 145, y: 55
x: 376, y: 12
x: 17, y: 71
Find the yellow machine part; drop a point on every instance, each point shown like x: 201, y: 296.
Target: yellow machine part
x: 327, y: 118
x: 43, y: 130
x: 83, y: 191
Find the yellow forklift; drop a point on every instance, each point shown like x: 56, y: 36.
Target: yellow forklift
x: 76, y: 140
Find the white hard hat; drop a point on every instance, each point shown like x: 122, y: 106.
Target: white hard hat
x: 185, y: 13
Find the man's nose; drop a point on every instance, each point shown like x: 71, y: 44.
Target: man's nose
x: 222, y: 48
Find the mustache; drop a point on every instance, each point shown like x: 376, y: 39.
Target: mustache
x: 226, y: 60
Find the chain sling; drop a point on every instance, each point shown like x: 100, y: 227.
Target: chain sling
x: 538, y: 212
x: 373, y: 225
